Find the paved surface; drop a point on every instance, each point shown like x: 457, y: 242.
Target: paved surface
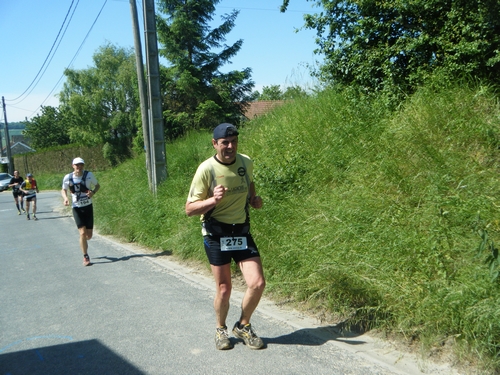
x: 135, y: 312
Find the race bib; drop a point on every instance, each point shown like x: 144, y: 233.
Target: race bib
x: 82, y: 202
x: 233, y: 243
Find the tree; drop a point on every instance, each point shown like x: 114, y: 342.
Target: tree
x: 102, y: 102
x: 196, y: 94
x: 294, y: 92
x: 394, y: 45
x: 274, y: 92
x: 47, y: 129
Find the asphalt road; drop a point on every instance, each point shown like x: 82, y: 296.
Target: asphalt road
x: 137, y: 312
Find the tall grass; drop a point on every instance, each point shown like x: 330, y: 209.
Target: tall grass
x: 370, y: 216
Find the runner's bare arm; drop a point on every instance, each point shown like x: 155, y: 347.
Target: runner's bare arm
x: 203, y: 206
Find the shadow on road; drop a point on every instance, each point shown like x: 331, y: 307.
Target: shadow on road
x: 84, y: 357
x: 315, y: 337
x: 49, y: 218
x: 108, y: 259
x: 50, y: 212
x: 41, y: 212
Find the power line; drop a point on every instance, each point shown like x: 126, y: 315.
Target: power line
x: 69, y: 65
x: 75, y: 55
x: 45, y: 62
x: 47, y: 66
x: 263, y: 9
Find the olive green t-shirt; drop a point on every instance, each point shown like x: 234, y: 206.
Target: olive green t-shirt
x: 236, y: 178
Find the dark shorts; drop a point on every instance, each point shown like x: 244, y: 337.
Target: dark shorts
x: 216, y: 257
x: 17, y: 193
x: 84, y: 216
x: 30, y: 198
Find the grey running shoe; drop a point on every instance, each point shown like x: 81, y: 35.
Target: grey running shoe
x: 247, y: 334
x: 222, y: 341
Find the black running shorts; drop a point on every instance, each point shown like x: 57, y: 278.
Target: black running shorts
x: 216, y: 257
x: 84, y: 216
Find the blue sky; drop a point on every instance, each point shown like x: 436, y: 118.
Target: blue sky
x: 34, y: 57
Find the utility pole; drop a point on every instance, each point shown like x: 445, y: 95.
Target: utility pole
x: 157, y: 143
x: 7, y: 138
x: 143, y: 95
x: 1, y: 148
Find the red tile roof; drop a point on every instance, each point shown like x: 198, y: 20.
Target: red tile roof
x: 261, y: 107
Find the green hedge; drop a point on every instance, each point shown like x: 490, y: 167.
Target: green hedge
x: 58, y: 160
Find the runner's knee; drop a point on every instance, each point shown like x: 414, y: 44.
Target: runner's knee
x: 258, y: 283
x: 224, y: 290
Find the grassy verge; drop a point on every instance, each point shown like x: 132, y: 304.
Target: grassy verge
x: 370, y: 217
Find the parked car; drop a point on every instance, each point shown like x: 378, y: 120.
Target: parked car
x: 4, y: 181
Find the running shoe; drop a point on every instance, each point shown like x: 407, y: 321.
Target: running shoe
x: 222, y: 341
x: 247, y: 334
x: 35, y: 218
x: 19, y: 213
x: 28, y: 217
x: 86, y: 260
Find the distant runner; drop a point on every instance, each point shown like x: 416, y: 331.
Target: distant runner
x: 83, y: 186
x: 15, y: 184
x: 29, y: 189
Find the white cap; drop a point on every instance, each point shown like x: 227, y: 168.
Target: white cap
x: 78, y: 161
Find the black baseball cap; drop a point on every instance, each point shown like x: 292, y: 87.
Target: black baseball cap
x: 225, y: 130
